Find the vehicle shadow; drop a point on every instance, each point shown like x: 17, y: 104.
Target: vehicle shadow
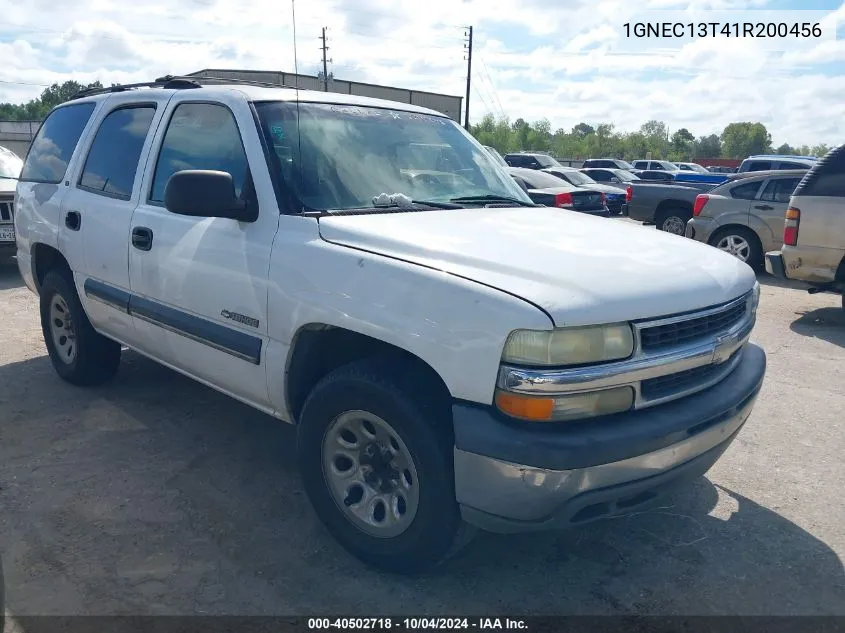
x: 827, y: 324
x: 156, y: 495
x: 10, y: 276
x: 766, y: 279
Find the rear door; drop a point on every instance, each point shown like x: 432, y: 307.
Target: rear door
x: 97, y: 210
x: 771, y: 207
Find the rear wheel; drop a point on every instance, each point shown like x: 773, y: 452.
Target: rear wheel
x: 80, y: 355
x: 673, y: 220
x: 376, y: 462
x: 740, y: 242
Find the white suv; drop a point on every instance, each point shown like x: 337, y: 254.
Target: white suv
x: 451, y: 354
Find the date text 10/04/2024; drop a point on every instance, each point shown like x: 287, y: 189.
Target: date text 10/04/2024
x: 803, y: 30
x: 416, y: 624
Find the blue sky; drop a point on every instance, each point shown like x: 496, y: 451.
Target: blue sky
x: 562, y: 60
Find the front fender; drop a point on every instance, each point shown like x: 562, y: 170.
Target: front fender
x: 455, y: 325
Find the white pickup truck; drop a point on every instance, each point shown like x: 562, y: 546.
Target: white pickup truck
x: 452, y: 355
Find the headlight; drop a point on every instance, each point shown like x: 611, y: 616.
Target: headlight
x: 565, y: 407
x: 569, y: 346
x: 754, y: 298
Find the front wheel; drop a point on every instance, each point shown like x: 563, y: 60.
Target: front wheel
x: 376, y: 463
x: 740, y: 242
x: 80, y: 355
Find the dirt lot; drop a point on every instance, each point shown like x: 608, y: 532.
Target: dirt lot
x: 157, y: 495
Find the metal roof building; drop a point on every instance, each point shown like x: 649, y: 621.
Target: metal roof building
x: 447, y: 104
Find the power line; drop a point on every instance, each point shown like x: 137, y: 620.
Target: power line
x: 483, y: 100
x: 493, y: 87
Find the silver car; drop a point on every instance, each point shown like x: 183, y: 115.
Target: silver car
x: 744, y: 216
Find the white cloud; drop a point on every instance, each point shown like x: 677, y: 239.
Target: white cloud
x: 536, y: 58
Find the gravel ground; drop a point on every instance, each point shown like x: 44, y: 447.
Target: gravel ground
x: 156, y: 495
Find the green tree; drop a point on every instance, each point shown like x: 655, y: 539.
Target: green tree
x: 582, y: 130
x: 743, y: 139
x: 819, y: 150
x: 682, y: 144
x: 656, y: 135
x: 708, y: 146
x: 785, y: 148
x: 38, y: 108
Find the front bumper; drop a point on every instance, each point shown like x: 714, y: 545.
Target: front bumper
x: 513, y: 477
x: 774, y: 264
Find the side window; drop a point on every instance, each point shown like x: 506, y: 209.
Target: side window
x: 200, y: 136
x: 657, y: 166
x: 113, y: 158
x: 779, y: 189
x: 55, y: 143
x: 759, y: 165
x: 746, y: 191
x: 640, y: 164
x: 827, y: 178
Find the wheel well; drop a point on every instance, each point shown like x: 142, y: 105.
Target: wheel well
x: 319, y: 349
x: 669, y: 205
x: 44, y: 259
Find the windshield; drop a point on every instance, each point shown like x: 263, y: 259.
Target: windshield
x: 624, y: 165
x: 547, y: 161
x: 577, y: 178
x: 10, y: 164
x: 540, y: 179
x: 342, y: 156
x: 625, y: 176
x: 497, y: 156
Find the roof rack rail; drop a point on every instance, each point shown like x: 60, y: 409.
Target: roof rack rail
x: 173, y: 82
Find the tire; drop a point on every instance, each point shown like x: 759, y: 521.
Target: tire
x: 742, y: 243
x: 380, y: 390
x: 673, y: 220
x: 85, y: 357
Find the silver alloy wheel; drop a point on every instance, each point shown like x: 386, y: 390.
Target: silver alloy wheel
x: 736, y: 245
x: 61, y: 327
x: 370, y: 474
x: 675, y: 225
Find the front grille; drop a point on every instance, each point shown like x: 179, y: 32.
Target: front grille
x: 6, y: 210
x: 665, y: 386
x: 679, y: 332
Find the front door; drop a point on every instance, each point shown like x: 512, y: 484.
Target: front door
x: 199, y: 284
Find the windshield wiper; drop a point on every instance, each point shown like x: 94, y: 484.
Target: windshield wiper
x: 493, y: 198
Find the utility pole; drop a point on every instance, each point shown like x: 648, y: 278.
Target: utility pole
x: 468, y: 57
x: 325, y: 49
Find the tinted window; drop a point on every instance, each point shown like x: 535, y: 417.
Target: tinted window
x: 542, y: 180
x: 759, y: 165
x: 783, y: 165
x: 113, y: 158
x: 640, y: 164
x: 200, y: 136
x: 685, y: 167
x: 746, y: 191
x: 55, y: 143
x: 600, y: 175
x: 779, y: 189
x: 827, y: 178
x: 657, y: 166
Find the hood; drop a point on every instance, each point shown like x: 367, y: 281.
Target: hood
x: 578, y: 268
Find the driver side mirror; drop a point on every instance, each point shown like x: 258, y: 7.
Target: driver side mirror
x: 206, y: 194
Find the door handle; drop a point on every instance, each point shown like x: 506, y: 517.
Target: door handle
x: 763, y: 207
x: 142, y: 238
x: 73, y: 220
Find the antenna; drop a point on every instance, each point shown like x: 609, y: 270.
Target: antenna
x: 296, y: 86
x: 295, y: 62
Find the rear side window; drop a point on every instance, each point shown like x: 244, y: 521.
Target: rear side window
x: 55, y: 143
x: 759, y: 165
x: 779, y: 189
x: 827, y: 178
x: 200, y: 136
x: 640, y: 164
x: 783, y: 165
x: 746, y: 191
x: 113, y: 158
